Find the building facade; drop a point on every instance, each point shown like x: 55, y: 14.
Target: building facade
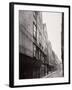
x: 53, y: 60
x: 33, y: 59
x: 36, y: 57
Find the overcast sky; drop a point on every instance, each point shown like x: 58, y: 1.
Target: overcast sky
x: 53, y: 23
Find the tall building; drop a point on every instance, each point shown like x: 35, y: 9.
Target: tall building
x: 32, y: 51
x: 25, y: 44
x: 52, y: 58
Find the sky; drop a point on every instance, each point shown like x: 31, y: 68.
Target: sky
x: 53, y: 23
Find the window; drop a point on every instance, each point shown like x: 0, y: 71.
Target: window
x: 39, y: 55
x: 34, y: 50
x: 34, y: 31
x: 35, y: 14
x: 40, y: 38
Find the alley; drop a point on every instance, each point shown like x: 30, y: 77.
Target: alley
x: 57, y: 73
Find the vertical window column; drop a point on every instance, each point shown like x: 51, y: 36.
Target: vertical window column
x: 34, y: 31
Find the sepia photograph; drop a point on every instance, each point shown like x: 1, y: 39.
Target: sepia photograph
x: 39, y: 45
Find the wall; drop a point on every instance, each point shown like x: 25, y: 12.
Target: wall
x: 4, y: 45
x: 26, y: 32
x: 39, y: 28
x: 31, y: 32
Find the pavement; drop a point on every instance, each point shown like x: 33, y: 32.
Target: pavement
x: 57, y: 73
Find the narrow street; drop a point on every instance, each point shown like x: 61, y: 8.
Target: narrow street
x: 57, y: 73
